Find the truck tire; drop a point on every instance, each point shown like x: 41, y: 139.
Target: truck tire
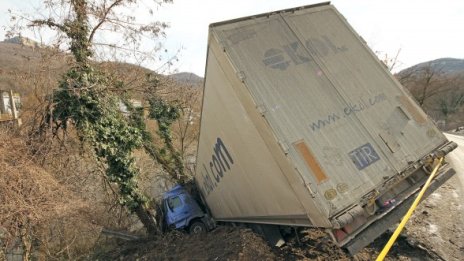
x: 197, y: 228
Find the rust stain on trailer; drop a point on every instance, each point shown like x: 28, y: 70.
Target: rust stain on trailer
x: 312, y: 163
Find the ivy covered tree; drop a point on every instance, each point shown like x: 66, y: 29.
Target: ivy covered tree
x: 165, y: 114
x: 89, y: 100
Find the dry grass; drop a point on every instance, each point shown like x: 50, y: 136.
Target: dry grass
x: 35, y: 206
x: 28, y: 193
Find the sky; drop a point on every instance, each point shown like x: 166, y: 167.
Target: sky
x: 421, y: 30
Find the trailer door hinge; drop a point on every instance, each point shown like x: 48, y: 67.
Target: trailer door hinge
x: 241, y: 75
x: 284, y: 146
x: 311, y: 191
x: 261, y: 109
x: 307, y: 184
x: 223, y: 45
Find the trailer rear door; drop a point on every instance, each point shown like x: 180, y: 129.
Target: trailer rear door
x: 342, y: 120
x: 374, y: 98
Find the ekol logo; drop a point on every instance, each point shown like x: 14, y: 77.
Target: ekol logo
x: 275, y: 59
x: 295, y: 53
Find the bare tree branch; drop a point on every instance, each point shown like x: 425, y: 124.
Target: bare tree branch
x: 103, y: 18
x: 50, y: 23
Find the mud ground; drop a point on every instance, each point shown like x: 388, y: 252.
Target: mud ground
x: 227, y: 243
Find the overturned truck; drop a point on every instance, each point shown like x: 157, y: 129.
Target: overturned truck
x: 302, y: 125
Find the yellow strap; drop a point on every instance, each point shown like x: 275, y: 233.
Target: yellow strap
x: 408, y: 215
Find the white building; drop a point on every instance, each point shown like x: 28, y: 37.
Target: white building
x: 10, y: 104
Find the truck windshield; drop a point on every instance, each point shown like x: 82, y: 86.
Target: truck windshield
x: 174, y: 202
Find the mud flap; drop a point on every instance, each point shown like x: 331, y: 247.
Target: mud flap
x: 378, y: 227
x: 209, y: 222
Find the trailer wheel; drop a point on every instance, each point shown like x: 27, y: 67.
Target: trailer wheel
x: 197, y: 228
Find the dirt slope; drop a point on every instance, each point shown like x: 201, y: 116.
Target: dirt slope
x: 227, y: 243
x: 223, y: 243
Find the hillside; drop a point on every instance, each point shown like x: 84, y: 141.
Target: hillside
x: 187, y: 78
x: 17, y: 60
x: 438, y: 87
x: 20, y: 56
x: 34, y: 72
x: 447, y: 66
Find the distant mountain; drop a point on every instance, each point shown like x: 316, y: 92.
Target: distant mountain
x: 15, y: 56
x: 23, y: 41
x: 21, y: 56
x: 446, y: 66
x: 187, y: 78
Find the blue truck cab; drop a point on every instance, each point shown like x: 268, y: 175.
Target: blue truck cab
x: 183, y: 212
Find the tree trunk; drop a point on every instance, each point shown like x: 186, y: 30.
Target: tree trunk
x: 160, y: 217
x: 147, y: 220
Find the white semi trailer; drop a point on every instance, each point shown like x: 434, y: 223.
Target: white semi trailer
x: 302, y: 125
